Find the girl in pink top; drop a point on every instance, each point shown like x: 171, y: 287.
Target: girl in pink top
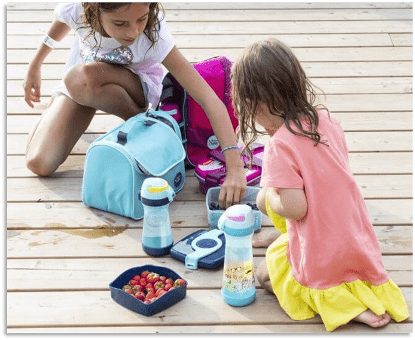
x: 327, y: 260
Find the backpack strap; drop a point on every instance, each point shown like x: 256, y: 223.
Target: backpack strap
x: 168, y: 88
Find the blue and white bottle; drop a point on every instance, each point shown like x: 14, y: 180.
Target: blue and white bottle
x: 156, y: 196
x: 238, y: 286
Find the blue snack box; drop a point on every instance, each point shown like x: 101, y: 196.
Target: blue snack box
x: 129, y: 301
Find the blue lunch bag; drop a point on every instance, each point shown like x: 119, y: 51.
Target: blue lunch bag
x: 146, y: 145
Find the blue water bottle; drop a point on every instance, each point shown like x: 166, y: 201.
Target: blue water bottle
x: 238, y: 287
x: 156, y: 195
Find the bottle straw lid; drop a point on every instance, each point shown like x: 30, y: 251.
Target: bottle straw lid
x: 237, y: 220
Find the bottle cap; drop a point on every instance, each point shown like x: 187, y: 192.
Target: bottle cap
x: 156, y: 192
x: 237, y: 220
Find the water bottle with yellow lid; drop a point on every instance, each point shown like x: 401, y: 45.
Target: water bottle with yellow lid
x: 156, y: 196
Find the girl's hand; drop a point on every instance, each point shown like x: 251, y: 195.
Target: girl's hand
x: 233, y: 189
x: 31, y: 86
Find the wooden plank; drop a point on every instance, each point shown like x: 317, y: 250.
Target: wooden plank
x: 233, y: 14
x: 76, y: 274
x: 69, y: 189
x: 205, y: 306
x: 350, y: 121
x: 384, y: 164
x: 23, y: 124
x: 326, y: 69
x: 365, y: 102
x: 182, y: 214
x: 245, y: 26
x: 356, y: 141
x: 352, y: 327
x: 30, y: 6
x: 335, y: 102
x: 369, y: 85
x: 56, y: 241
x: 402, y: 39
x: 292, y: 40
x: 304, y: 54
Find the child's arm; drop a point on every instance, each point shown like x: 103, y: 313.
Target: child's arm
x: 31, y: 83
x: 233, y: 189
x: 288, y: 203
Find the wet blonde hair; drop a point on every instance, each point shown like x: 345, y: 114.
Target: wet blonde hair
x: 269, y: 72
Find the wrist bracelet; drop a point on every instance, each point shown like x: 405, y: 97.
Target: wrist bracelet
x: 229, y: 148
x: 48, y: 41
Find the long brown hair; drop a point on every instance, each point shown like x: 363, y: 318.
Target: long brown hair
x: 269, y: 72
x: 92, y: 17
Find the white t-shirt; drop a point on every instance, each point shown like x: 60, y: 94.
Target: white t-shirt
x: 139, y: 57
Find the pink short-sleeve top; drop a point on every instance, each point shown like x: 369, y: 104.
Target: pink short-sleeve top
x: 335, y: 242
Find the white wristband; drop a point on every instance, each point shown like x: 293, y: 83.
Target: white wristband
x: 48, y: 41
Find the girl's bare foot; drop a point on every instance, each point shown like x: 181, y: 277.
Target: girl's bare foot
x: 373, y: 320
x: 265, y: 237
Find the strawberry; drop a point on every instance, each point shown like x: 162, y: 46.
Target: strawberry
x: 163, y: 279
x: 152, y: 290
x: 144, y: 273
x: 169, y: 281
x: 137, y: 288
x: 179, y: 282
x: 133, y: 282
x: 149, y: 285
x: 150, y: 295
x: 143, y: 282
x: 140, y: 296
x: 160, y: 292
x: 136, y: 277
x: 168, y: 286
x: 129, y: 291
x: 153, y: 277
x: 158, y: 284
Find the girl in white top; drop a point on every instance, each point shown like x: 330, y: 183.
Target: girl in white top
x: 115, y: 66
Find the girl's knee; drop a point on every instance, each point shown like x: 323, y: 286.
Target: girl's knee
x: 39, y: 164
x: 79, y: 80
x: 260, y: 200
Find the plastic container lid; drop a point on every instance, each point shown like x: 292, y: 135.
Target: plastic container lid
x: 237, y: 220
x: 155, y: 192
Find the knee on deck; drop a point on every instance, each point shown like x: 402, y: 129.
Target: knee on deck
x: 40, y: 165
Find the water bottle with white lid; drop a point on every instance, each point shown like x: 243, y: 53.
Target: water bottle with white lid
x: 238, y: 287
x: 156, y: 196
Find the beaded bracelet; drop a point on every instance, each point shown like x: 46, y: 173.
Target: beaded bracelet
x: 229, y: 148
x: 48, y: 41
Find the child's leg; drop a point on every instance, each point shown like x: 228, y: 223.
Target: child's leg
x: 263, y: 276
x: 110, y: 88
x: 265, y: 237
x: 55, y: 134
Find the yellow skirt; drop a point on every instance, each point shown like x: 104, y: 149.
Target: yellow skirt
x: 336, y: 305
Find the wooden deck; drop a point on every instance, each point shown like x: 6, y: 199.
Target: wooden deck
x: 61, y: 255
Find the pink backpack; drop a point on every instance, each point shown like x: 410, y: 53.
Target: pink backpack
x: 197, y: 133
